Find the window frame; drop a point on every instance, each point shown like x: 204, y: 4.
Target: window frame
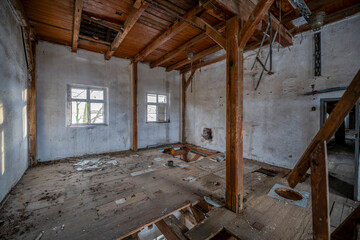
x: 167, y: 106
x: 88, y: 88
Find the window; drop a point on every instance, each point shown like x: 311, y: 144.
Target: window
x: 157, y: 107
x: 86, y: 105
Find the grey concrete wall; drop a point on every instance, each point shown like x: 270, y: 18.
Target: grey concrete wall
x: 278, y: 120
x: 13, y: 102
x: 158, y: 81
x: 57, y: 67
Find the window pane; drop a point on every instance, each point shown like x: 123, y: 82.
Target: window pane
x: 151, y: 98
x: 78, y: 93
x: 97, y: 112
x: 162, y: 99
x: 97, y: 94
x: 161, y: 114
x: 151, y: 113
x: 79, y: 113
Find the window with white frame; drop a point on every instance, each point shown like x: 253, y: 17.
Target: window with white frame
x: 157, y: 107
x: 86, y: 105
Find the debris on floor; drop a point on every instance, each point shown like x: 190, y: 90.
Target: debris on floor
x: 211, y: 202
x: 190, y: 179
x: 133, y: 174
x: 94, y: 163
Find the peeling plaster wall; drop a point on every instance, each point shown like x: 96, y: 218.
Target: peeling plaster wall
x: 57, y: 67
x: 278, y: 120
x: 156, y: 80
x: 13, y: 102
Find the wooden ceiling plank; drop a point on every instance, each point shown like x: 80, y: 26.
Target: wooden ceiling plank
x: 197, y: 56
x: 250, y: 26
x: 210, y: 31
x: 76, y: 25
x: 104, y: 23
x: 174, y: 29
x: 220, y: 27
x: 128, y: 25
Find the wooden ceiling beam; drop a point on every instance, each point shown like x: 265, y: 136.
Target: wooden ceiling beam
x: 250, y: 26
x: 128, y: 25
x: 76, y: 24
x: 210, y: 31
x: 178, y: 26
x: 197, y: 56
x: 220, y: 27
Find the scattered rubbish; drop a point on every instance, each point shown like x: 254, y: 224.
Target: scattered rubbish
x: 257, y: 226
x: 94, y: 163
x: 298, y: 198
x: 211, y: 202
x: 252, y: 167
x: 267, y: 172
x: 171, y: 163
x: 190, y: 179
x: 62, y: 227
x: 158, y: 159
x: 219, y: 158
x: 135, y: 155
x: 141, y: 172
x: 120, y: 201
x: 183, y: 165
x: 39, y: 236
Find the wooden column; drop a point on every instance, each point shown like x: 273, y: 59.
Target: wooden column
x: 32, y: 111
x: 234, y: 117
x: 183, y: 107
x: 320, y: 192
x: 134, y: 107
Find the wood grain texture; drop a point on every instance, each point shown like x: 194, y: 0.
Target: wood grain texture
x: 210, y: 31
x: 128, y: 25
x: 234, y: 117
x: 168, y: 233
x: 76, y: 24
x: 337, y: 116
x: 320, y: 192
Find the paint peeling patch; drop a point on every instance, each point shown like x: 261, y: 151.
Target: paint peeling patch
x: 158, y: 159
x: 301, y: 202
x: 133, y: 174
x: 120, y: 201
x: 190, y: 179
x: 183, y: 165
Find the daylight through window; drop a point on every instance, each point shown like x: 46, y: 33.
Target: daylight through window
x: 157, y: 107
x: 86, y: 105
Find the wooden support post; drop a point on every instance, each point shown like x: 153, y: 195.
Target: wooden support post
x: 336, y: 118
x: 183, y: 108
x: 32, y: 111
x: 134, y: 107
x: 234, y: 117
x: 320, y: 192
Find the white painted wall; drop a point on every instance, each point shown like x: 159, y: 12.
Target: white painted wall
x: 158, y: 81
x: 57, y: 67
x: 278, y: 121
x: 13, y: 102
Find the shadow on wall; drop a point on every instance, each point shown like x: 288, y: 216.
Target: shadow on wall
x: 2, y: 140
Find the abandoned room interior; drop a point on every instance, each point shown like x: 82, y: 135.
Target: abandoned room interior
x: 179, y: 119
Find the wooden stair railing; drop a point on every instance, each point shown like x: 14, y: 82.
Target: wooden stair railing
x: 315, y: 157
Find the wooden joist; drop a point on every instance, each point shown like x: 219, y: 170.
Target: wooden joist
x: 178, y: 26
x: 76, y: 24
x: 256, y: 16
x: 320, y: 192
x: 219, y: 27
x: 128, y: 25
x: 210, y: 31
x: 197, y: 56
x: 234, y: 117
x: 336, y: 118
x: 166, y: 230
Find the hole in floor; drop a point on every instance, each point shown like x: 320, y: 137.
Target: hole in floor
x: 289, y: 194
